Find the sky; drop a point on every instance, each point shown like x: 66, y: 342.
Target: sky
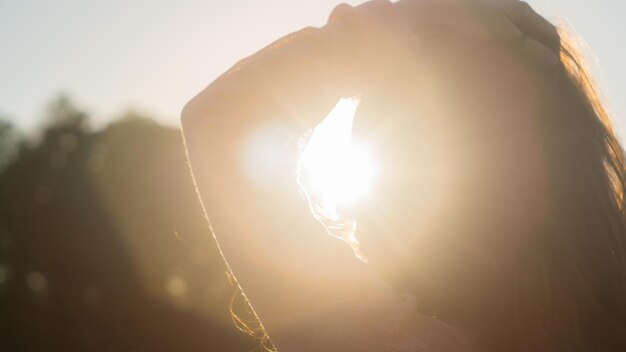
x: 153, y: 56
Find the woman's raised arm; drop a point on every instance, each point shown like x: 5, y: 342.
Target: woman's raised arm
x: 308, y: 289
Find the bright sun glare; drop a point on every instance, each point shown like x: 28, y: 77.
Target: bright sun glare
x: 334, y: 171
x: 332, y: 167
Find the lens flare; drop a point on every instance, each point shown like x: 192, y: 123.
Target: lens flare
x: 334, y: 172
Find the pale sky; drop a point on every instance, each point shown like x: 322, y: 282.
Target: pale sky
x: 152, y: 56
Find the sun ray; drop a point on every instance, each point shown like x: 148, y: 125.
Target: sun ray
x: 336, y: 173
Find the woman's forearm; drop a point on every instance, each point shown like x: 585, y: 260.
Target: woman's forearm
x: 290, y: 81
x: 292, y: 273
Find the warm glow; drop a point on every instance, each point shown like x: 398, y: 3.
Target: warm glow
x: 334, y: 172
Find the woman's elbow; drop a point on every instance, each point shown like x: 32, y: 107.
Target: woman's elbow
x: 190, y: 115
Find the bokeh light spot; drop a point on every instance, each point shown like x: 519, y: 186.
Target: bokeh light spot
x: 176, y: 287
x: 36, y: 281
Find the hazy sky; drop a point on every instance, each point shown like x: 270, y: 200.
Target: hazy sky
x: 154, y: 55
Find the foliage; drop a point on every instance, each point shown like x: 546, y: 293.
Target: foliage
x: 103, y: 245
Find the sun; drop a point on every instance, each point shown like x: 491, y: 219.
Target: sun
x: 334, y: 172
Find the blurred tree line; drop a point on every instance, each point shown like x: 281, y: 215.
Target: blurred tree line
x: 103, y: 243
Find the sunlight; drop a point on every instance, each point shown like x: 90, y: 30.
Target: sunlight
x: 333, y: 169
x: 334, y: 172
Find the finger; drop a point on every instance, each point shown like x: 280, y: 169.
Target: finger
x: 341, y: 12
x: 529, y: 47
x: 539, y: 52
x: 383, y: 6
x: 533, y: 24
x: 389, y: 28
x: 537, y: 44
x: 378, y: 31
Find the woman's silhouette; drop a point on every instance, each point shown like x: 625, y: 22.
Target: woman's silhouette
x: 497, y: 222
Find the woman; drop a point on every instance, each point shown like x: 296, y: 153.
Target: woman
x: 497, y: 220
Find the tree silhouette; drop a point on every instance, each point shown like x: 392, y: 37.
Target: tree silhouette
x: 9, y: 143
x: 103, y: 245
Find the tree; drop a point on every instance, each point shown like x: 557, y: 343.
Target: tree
x: 9, y: 142
x: 103, y: 245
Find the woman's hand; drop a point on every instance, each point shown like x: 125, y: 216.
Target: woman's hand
x: 454, y: 30
x: 510, y: 22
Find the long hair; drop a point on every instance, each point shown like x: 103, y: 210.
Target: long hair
x: 565, y: 288
x: 570, y: 288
